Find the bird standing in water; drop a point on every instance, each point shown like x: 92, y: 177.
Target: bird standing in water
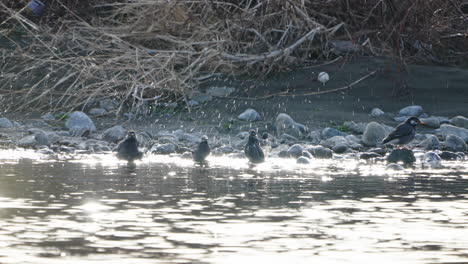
x: 127, y: 149
x: 252, y: 150
x: 404, y: 132
x: 202, y: 151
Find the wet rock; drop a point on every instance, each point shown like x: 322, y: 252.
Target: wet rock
x: 295, y: 151
x: 454, y: 143
x: 192, y: 139
x: 48, y: 117
x: 431, y: 122
x: 129, y: 116
x: 315, y: 137
x: 164, y: 149
x: 144, y: 138
x: 46, y: 151
x: 249, y: 115
x: 69, y: 141
x: 353, y: 139
x: 41, y: 138
x: 340, y: 148
x: 330, y: 132
x: 242, y: 135
x: 303, y: 160
x: 79, y: 123
x: 394, y: 166
x: 220, y: 91
x: 108, y: 104
x: 94, y: 145
x: 369, y: 155
x: 286, y: 125
x: 377, y: 112
x: 400, y: 119
x: 5, y: 123
x: 448, y: 155
x: 380, y: 151
x: 431, y: 143
x: 333, y: 141
x: 446, y: 130
x: 287, y: 139
x: 97, y: 111
x: 27, y: 142
x: 63, y: 133
x: 114, y: 134
x: 412, y: 110
x: 432, y: 159
x: 320, y: 152
x: 374, y: 134
x: 225, y: 149
x: 307, y: 154
x: 442, y: 119
x: 357, y: 128
x: 401, y: 155
x: 283, y: 154
x: 459, y: 121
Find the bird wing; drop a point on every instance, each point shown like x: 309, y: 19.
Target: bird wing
x: 400, y: 131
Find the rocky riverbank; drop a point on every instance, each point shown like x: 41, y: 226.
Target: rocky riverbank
x: 441, y: 138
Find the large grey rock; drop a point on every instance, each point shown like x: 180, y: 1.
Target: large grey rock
x: 249, y: 115
x: 340, y: 148
x: 454, y: 143
x: 373, y: 134
x: 41, y: 138
x: 295, y: 151
x: 320, y: 152
x: 114, y: 134
x: 401, y: 155
x: 78, y: 123
x: 5, y: 123
x: 412, y: 110
x: 354, y: 127
x: 432, y: 122
x: 431, y: 143
x: 459, y: 121
x: 27, y: 142
x: 332, y: 142
x: 286, y: 125
x: 330, y: 132
x: 220, y: 91
x: 307, y: 154
x: 446, y: 130
x: 164, y: 149
x: 400, y: 119
x: 192, y: 139
x: 315, y: 137
x: 376, y: 112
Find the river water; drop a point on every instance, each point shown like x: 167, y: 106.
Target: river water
x: 95, y: 209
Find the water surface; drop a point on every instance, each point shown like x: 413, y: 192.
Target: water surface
x: 95, y: 209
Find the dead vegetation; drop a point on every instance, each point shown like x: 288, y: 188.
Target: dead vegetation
x: 144, y: 51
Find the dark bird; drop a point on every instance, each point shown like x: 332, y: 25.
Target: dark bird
x: 128, y: 148
x: 252, y: 150
x: 202, y: 151
x: 404, y: 132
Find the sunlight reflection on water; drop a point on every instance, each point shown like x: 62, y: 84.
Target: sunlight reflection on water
x: 96, y: 209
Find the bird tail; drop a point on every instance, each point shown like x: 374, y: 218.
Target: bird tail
x: 386, y: 140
